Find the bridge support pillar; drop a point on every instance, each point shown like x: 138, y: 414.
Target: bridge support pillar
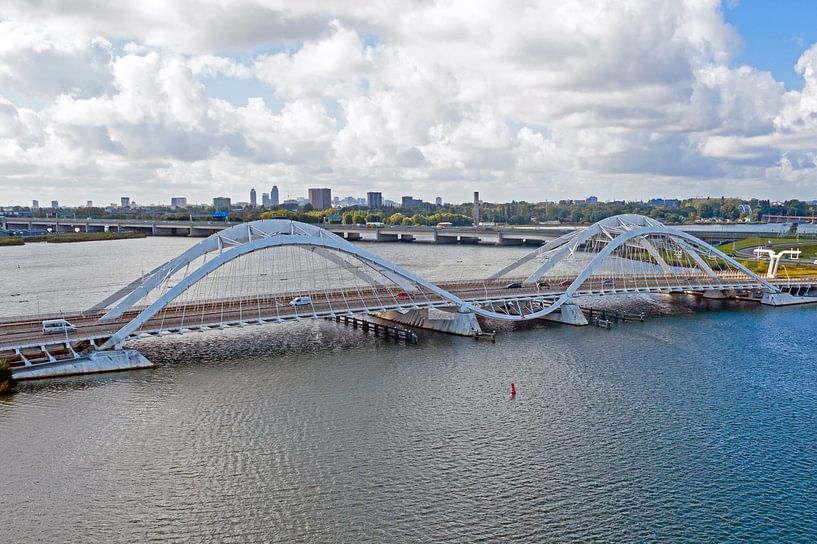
x: 459, y: 323
x: 717, y: 294
x: 162, y: 231
x: 440, y: 239
x: 94, y: 362
x: 785, y: 299
x: 505, y: 241
x: 569, y: 314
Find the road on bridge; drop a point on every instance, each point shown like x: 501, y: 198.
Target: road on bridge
x: 179, y: 317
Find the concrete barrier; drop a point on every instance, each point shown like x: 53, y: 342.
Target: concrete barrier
x: 96, y: 361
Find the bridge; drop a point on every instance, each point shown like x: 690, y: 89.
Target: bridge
x: 387, y: 233
x: 278, y: 270
x: 498, y: 235
x: 60, y: 225
x: 501, y: 236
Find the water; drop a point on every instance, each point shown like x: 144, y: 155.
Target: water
x: 696, y: 426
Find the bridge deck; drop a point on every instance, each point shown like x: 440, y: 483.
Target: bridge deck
x: 26, y: 332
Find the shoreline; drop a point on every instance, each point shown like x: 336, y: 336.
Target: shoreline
x: 67, y: 238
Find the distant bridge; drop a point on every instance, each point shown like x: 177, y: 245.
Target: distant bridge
x: 498, y: 235
x: 279, y: 270
x: 60, y: 225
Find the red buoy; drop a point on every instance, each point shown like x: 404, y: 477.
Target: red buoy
x: 513, y: 389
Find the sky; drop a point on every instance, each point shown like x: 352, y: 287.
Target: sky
x: 519, y: 100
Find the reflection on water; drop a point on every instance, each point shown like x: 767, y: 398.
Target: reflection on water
x: 699, y: 426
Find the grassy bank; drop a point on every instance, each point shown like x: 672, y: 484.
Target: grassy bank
x: 7, y: 382
x: 807, y: 247
x: 84, y: 237
x: 758, y: 242
x: 785, y: 270
x: 10, y: 241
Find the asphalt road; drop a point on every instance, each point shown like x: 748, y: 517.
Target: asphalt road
x: 28, y: 330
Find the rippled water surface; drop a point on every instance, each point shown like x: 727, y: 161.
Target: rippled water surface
x: 697, y: 425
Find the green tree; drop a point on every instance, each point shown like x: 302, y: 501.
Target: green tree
x: 280, y: 213
x: 395, y: 219
x: 419, y: 219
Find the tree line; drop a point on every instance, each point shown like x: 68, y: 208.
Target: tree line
x: 511, y: 213
x: 526, y: 213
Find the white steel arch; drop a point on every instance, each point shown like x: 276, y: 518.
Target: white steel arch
x: 234, y: 236
x: 641, y: 231
x: 319, y: 242
x: 617, y: 229
x: 241, y: 240
x: 566, y: 243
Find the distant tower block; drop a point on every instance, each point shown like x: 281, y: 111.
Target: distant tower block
x: 253, y: 198
x: 273, y: 196
x: 476, y: 208
x: 374, y: 200
x: 320, y: 198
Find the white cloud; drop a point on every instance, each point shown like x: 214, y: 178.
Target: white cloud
x: 516, y: 99
x: 35, y: 65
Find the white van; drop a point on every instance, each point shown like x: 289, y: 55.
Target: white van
x: 51, y: 326
x: 300, y: 301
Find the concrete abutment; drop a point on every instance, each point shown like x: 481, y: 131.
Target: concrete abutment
x: 458, y: 323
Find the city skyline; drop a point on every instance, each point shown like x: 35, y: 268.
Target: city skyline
x: 370, y: 199
x: 403, y: 100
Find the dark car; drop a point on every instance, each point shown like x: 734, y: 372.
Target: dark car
x: 514, y: 285
x: 566, y: 283
x: 403, y: 294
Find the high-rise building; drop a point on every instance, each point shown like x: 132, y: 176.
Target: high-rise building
x: 222, y: 203
x: 89, y: 204
x: 178, y: 202
x: 410, y: 202
x: 125, y: 201
x: 55, y: 204
x: 476, y: 208
x: 374, y: 200
x: 438, y: 201
x: 265, y: 200
x: 320, y: 198
x: 253, y: 199
x: 35, y: 204
x: 273, y: 196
